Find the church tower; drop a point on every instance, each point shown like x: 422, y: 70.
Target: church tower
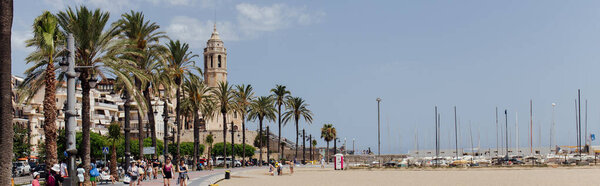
x: 215, y: 60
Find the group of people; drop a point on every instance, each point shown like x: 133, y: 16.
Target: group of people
x: 140, y: 170
x: 277, y: 166
x: 59, y: 172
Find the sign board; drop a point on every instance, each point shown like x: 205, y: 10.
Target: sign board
x: 104, y: 150
x: 593, y: 136
x: 148, y: 150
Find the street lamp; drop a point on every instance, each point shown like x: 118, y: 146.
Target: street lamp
x: 68, y: 66
x: 552, y: 132
x: 378, y: 129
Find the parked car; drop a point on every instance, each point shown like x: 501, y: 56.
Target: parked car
x: 21, y: 169
x: 219, y: 162
x: 41, y: 168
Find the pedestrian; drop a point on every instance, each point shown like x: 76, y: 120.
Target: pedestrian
x: 278, y: 165
x: 80, y: 172
x: 54, y: 178
x: 63, y: 170
x: 271, y: 170
x: 140, y: 171
x: 292, y: 164
x: 322, y: 162
x: 182, y: 169
x: 167, y: 172
x: 35, y: 181
x: 155, y: 165
x: 133, y: 173
x: 94, y: 173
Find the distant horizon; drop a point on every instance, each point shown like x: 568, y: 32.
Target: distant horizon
x: 415, y: 55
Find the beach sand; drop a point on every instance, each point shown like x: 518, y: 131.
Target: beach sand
x: 442, y: 176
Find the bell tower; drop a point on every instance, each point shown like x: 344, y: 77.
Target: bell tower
x: 215, y: 60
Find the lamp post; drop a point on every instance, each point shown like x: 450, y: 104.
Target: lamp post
x: 378, y: 128
x: 506, y: 131
x: 303, y: 147
x: 70, y: 113
x: 552, y: 132
x: 232, y: 146
x: 165, y: 116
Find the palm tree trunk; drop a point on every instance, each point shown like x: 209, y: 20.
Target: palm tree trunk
x: 260, y: 140
x: 196, y: 139
x: 243, y: 141
x: 327, y: 153
x: 151, y: 119
x: 232, y: 146
x: 6, y: 115
x: 178, y: 120
x: 224, y: 137
x: 127, y: 127
x: 297, y: 134
x: 113, y: 159
x: 165, y: 128
x: 50, y: 114
x: 85, y: 122
x: 140, y: 135
x: 279, y: 141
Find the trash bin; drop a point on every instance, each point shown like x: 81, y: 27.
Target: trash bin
x: 227, y: 174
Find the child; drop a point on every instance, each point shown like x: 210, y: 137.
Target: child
x: 35, y: 181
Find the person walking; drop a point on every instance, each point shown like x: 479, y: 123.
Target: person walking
x: 94, y: 174
x: 80, y: 172
x: 141, y: 172
x: 54, y: 178
x: 63, y: 170
x: 155, y: 165
x: 182, y: 169
x: 133, y: 173
x: 35, y: 181
x: 167, y: 172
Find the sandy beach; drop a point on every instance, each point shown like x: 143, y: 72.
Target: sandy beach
x: 448, y: 176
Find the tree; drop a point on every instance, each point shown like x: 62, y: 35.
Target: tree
x: 21, y: 147
x: 297, y: 109
x: 48, y: 43
x: 91, y: 47
x: 114, y: 133
x: 197, y: 92
x: 262, y: 108
x: 223, y: 96
x: 281, y: 93
x: 143, y: 36
x: 314, y: 146
x: 179, y: 62
x: 6, y: 115
x: 328, y: 133
x: 209, y: 140
x: 243, y: 97
x: 186, y: 148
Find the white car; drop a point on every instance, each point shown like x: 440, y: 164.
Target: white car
x: 22, y: 168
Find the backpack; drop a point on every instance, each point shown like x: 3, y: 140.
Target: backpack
x: 94, y: 172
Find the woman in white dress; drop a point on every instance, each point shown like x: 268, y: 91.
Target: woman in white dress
x: 80, y: 172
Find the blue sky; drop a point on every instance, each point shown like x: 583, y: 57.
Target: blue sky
x: 341, y: 55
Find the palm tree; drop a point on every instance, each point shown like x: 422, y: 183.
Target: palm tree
x: 6, y: 115
x: 179, y: 62
x: 197, y: 92
x: 243, y: 96
x: 114, y: 133
x: 262, y: 108
x: 143, y: 36
x: 49, y: 46
x: 328, y: 133
x: 314, y: 146
x: 162, y: 84
x: 280, y: 94
x: 91, y: 48
x: 297, y: 109
x: 209, y: 140
x: 224, y: 96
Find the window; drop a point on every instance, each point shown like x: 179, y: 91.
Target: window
x: 211, y: 62
x: 219, y: 61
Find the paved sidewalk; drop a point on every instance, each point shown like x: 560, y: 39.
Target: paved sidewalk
x: 197, y: 178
